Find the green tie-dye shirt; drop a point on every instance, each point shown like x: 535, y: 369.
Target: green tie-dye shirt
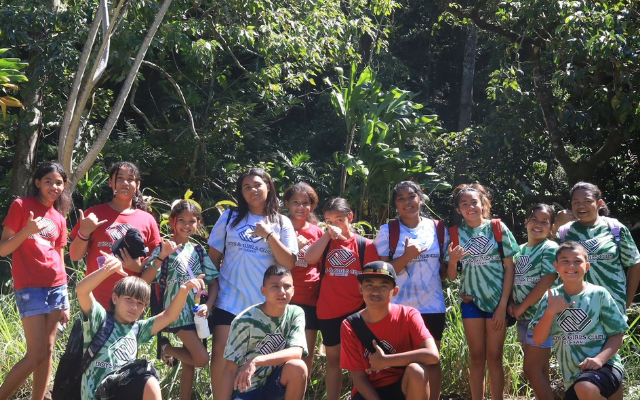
x: 581, y: 330
x: 532, y: 263
x: 121, y: 347
x: 605, y: 258
x: 254, y: 333
x: 178, y: 273
x: 482, y: 270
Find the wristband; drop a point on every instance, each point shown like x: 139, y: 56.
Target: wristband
x: 154, y: 267
x: 82, y: 237
x: 268, y: 236
x: 160, y: 259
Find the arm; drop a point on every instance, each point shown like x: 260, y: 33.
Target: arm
x: 88, y: 224
x: 11, y: 240
x: 545, y: 283
x: 633, y: 278
x: 85, y: 287
x: 500, y: 313
x: 216, y: 257
x: 243, y: 379
x: 556, y: 304
x: 172, y: 312
x: 282, y: 254
x: 362, y: 383
x: 427, y: 353
x: 214, y: 287
x: 411, y: 251
x: 610, y: 348
x: 314, y: 252
x: 455, y: 255
x: 228, y: 375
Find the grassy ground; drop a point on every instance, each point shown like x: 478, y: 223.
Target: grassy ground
x: 454, y: 358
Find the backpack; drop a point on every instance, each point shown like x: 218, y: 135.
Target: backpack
x: 362, y: 245
x: 394, y: 236
x: 73, y: 363
x: 614, y: 227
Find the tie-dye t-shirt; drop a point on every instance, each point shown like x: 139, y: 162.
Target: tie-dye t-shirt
x: 532, y: 263
x: 605, y: 258
x: 178, y: 273
x: 482, y: 270
x: 253, y: 333
x: 120, y: 348
x: 581, y: 330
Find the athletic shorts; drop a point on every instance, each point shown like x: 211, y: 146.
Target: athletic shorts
x: 134, y: 390
x: 389, y: 392
x: 219, y: 317
x: 525, y: 335
x: 608, y: 379
x: 175, y: 330
x: 272, y: 389
x: 471, y: 310
x: 435, y: 324
x: 330, y: 329
x: 310, y: 317
x: 41, y: 300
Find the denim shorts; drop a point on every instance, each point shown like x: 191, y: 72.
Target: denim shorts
x: 272, y: 389
x: 39, y: 300
x: 525, y: 335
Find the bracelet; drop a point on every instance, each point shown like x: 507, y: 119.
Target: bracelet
x: 268, y: 236
x: 82, y: 237
x: 154, y: 267
x: 160, y: 259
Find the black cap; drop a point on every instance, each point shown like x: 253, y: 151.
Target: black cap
x: 132, y: 241
x: 378, y: 269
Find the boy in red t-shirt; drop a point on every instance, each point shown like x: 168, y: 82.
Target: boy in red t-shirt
x: 398, y: 372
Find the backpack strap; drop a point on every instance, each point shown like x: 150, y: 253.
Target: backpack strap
x: 440, y: 235
x: 496, y: 226
x: 363, y: 332
x: 614, y: 226
x: 394, y: 236
x: 563, y: 230
x: 454, y: 236
x: 224, y: 245
x: 200, y: 252
x: 362, y: 248
x: 98, y: 340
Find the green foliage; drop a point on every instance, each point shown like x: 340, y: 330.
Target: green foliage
x: 9, y: 76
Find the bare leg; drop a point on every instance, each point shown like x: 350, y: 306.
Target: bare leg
x: 220, y: 335
x: 494, y: 349
x: 312, y: 337
x: 333, y: 378
x: 186, y: 381
x: 435, y: 377
x: 152, y: 390
x: 474, y: 330
x: 294, y: 379
x: 193, y: 353
x: 536, y: 369
x: 588, y: 391
x: 415, y: 381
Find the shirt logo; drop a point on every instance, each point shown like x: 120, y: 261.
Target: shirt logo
x: 523, y: 264
x: 118, y: 230
x: 271, y: 343
x: 125, y: 349
x: 573, y: 320
x: 340, y: 258
x: 479, y: 245
x: 592, y: 245
x: 47, y: 235
x: 183, y: 267
x: 242, y: 233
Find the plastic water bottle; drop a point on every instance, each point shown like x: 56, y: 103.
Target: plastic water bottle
x: 202, y: 325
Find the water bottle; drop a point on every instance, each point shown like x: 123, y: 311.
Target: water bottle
x: 202, y: 325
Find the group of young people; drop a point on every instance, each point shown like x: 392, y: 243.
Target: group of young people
x: 269, y: 283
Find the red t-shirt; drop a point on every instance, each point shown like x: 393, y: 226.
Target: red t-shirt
x: 36, y: 262
x: 339, y: 292
x: 106, y: 234
x: 306, y: 277
x: 402, y: 329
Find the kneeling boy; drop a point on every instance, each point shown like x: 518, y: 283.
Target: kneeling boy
x: 129, y: 299
x: 398, y: 372
x: 587, y: 329
x: 266, y: 345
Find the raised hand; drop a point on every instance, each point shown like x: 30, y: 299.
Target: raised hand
x: 335, y: 232
x: 34, y: 225
x: 195, y: 283
x: 89, y: 223
x: 457, y: 253
x: 411, y: 249
x: 557, y: 304
x: 263, y: 228
x: 112, y: 264
x: 377, y: 360
x: 168, y: 247
x: 302, y: 241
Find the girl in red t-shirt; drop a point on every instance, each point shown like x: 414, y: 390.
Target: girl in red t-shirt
x: 35, y: 233
x: 339, y: 293
x: 300, y: 199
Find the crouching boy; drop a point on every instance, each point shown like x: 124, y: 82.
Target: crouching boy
x: 586, y: 325
x: 403, y: 345
x: 266, y: 345
x: 129, y: 299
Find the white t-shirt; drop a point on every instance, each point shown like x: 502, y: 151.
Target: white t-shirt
x: 246, y: 258
x: 419, y: 282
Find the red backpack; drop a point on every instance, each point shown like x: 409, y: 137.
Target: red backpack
x: 496, y: 227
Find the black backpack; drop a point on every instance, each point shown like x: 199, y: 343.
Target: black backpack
x: 73, y: 363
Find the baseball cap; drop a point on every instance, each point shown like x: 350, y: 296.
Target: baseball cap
x: 132, y: 241
x: 378, y: 269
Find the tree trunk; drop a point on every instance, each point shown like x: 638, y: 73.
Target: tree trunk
x: 24, y: 159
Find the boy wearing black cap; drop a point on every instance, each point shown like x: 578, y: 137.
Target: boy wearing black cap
x: 402, y: 343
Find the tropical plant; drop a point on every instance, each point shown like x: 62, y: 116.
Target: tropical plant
x: 9, y: 76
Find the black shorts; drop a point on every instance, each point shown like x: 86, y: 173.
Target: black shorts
x: 219, y: 317
x: 330, y: 328
x: 310, y: 317
x: 134, y: 390
x: 607, y: 379
x: 435, y: 324
x: 389, y: 392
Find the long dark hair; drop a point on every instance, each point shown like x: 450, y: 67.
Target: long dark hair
x: 271, y: 206
x: 595, y: 192
x: 544, y: 208
x: 340, y: 205
x: 63, y: 203
x: 304, y: 188
x: 137, y: 201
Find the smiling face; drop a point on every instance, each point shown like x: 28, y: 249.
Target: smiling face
x: 338, y: 219
x: 127, y: 309
x: 585, y: 206
x: 408, y: 202
x: 184, y: 225
x: 377, y: 292
x: 124, y: 183
x: 254, y: 192
x: 50, y: 187
x: 571, y: 265
x: 278, y: 290
x: 299, y: 206
x: 470, y: 207
x: 538, y: 226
